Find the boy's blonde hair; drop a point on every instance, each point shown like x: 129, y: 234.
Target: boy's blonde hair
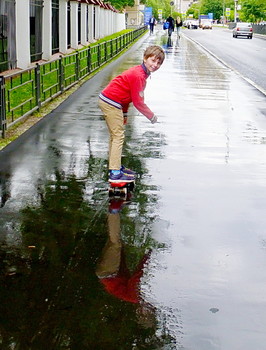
x: 156, y: 51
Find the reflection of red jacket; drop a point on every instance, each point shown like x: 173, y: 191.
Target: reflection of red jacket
x: 123, y: 286
x: 126, y: 88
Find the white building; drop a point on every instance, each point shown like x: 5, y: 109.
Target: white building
x: 135, y: 14
x: 183, y: 5
x: 33, y: 30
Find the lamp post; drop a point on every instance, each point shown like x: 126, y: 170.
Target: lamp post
x: 235, y: 10
x: 223, y: 11
x: 172, y: 4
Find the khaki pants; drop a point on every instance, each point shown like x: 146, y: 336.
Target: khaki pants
x: 115, y: 123
x: 110, y: 261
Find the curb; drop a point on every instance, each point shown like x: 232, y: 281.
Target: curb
x: 228, y: 65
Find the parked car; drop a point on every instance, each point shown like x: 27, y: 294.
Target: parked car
x: 194, y: 24
x: 206, y: 25
x: 191, y: 24
x: 243, y: 29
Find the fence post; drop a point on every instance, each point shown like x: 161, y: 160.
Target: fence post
x: 105, y: 51
x: 61, y: 74
x: 77, y: 66
x: 99, y: 54
x: 2, y: 106
x: 89, y: 60
x: 38, y: 85
x: 111, y: 48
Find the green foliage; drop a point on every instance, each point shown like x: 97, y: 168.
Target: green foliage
x: 163, y: 4
x: 253, y: 10
x: 121, y: 4
x: 194, y: 10
x: 212, y: 6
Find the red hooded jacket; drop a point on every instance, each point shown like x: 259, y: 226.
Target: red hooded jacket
x: 126, y: 88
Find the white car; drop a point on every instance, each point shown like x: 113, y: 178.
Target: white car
x: 191, y: 24
x: 206, y: 25
x: 243, y: 29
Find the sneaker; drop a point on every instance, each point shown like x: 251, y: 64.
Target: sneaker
x: 127, y: 171
x: 121, y: 177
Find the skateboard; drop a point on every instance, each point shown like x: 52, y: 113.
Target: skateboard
x: 120, y: 188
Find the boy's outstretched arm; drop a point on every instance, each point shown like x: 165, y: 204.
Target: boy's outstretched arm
x: 137, y: 94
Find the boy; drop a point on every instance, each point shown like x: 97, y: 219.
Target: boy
x: 114, y: 101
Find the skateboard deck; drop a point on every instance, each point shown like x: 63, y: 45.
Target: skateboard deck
x: 120, y: 188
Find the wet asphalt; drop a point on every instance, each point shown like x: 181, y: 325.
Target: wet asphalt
x: 178, y: 265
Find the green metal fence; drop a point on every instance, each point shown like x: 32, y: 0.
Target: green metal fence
x: 24, y: 92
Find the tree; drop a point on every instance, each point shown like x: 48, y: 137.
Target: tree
x: 120, y: 4
x: 164, y: 5
x: 194, y: 10
x: 212, y: 6
x: 253, y: 10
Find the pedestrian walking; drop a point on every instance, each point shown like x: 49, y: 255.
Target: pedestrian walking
x: 152, y: 23
x: 114, y: 102
x: 178, y: 24
x: 171, y: 26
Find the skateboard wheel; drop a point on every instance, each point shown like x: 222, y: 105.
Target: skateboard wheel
x: 118, y: 192
x: 131, y: 186
x: 124, y: 190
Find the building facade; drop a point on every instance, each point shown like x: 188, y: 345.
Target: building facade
x: 183, y: 5
x: 135, y: 14
x: 33, y: 30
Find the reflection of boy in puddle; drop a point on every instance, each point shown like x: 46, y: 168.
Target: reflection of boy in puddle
x: 112, y: 269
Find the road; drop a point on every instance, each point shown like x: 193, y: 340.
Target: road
x: 180, y: 265
x: 244, y: 55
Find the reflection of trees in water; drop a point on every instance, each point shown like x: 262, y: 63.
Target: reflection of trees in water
x: 52, y: 298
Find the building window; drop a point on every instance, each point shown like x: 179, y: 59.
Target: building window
x: 55, y: 26
x: 7, y: 35
x: 36, y: 11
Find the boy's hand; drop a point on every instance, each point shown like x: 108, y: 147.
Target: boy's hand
x: 154, y: 119
x: 125, y: 117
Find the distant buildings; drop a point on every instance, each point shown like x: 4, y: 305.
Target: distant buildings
x: 183, y: 5
x: 135, y: 14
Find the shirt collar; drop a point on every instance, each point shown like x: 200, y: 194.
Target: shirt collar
x: 145, y: 69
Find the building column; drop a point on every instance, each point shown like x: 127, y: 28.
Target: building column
x: 90, y: 24
x: 97, y: 22
x: 63, y: 26
x: 47, y: 30
x: 74, y: 24
x: 23, y: 33
x: 83, y: 24
x: 103, y: 21
x: 110, y: 16
x: 112, y: 22
x: 106, y: 16
x: 120, y: 22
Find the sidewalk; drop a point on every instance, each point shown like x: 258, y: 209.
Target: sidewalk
x: 201, y: 194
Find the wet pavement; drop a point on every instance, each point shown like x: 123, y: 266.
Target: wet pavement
x: 181, y: 263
